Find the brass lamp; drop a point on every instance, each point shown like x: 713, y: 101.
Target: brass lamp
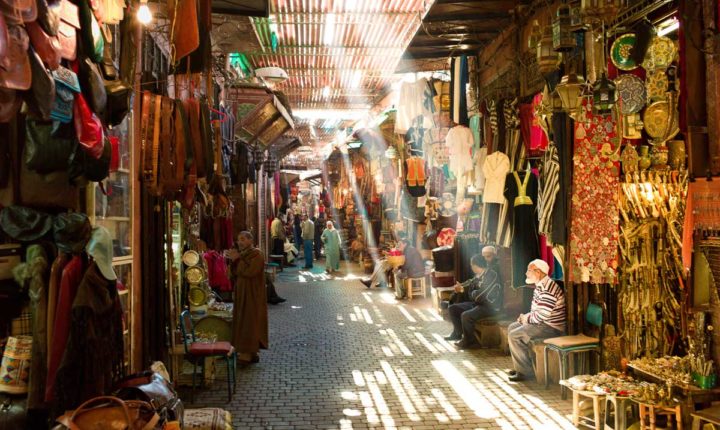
x: 570, y: 91
x: 603, y: 95
x: 547, y: 58
x: 562, y: 35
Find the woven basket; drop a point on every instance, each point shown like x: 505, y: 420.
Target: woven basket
x: 396, y: 260
x: 15, y: 367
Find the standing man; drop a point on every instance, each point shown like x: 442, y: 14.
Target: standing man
x: 546, y: 319
x: 250, y: 315
x: 277, y: 234
x: 331, y: 239
x: 318, y: 234
x: 308, y: 236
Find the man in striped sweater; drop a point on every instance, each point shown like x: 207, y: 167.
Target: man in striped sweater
x: 546, y: 319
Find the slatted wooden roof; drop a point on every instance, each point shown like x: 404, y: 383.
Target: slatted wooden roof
x: 339, y: 54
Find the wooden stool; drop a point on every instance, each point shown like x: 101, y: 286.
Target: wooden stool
x: 410, y: 282
x: 594, y: 422
x: 706, y: 416
x: 616, y: 412
x: 653, y: 411
x: 277, y: 259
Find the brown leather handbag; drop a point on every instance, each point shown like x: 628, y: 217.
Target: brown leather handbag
x: 19, y: 11
x: 43, y: 85
x: 108, y: 412
x: 15, y: 72
x: 186, y: 39
x: 67, y: 30
x: 48, y: 16
x: 48, y: 47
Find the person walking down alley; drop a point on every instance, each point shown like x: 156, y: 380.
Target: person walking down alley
x: 308, y: 237
x: 250, y: 313
x: 546, y: 319
x: 319, y: 223
x: 331, y: 238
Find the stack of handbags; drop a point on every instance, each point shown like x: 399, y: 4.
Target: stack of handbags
x: 64, y: 49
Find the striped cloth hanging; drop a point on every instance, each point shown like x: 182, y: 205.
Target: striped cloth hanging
x: 549, y: 189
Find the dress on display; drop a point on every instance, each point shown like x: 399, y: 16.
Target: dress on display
x: 521, y: 190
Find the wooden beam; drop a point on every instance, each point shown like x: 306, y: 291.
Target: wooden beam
x: 466, y: 17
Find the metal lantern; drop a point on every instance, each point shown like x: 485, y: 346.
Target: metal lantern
x: 563, y: 37
x: 271, y: 165
x: 535, y: 35
x: 600, y: 10
x: 547, y: 58
x: 603, y: 95
x: 258, y: 157
x: 570, y: 91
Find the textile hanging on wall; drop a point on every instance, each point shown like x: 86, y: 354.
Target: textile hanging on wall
x: 549, y: 189
x: 562, y: 139
x: 594, y: 230
x: 521, y: 191
x: 458, y: 94
x: 416, y: 101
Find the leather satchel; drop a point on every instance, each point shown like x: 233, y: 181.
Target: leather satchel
x: 152, y: 388
x: 183, y: 13
x: 15, y: 70
x: 19, y: 11
x: 84, y: 168
x: 93, y: 86
x: 43, y: 84
x: 111, y: 413
x: 48, y: 47
x: 67, y: 30
x: 48, y: 15
x: 46, y: 151
x: 91, y: 35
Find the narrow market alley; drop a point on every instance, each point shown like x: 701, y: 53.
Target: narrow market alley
x: 343, y: 356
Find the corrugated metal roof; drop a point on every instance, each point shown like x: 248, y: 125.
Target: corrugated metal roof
x: 339, y: 53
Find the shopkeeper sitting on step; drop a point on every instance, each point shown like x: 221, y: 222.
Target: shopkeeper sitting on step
x: 546, y: 319
x: 414, y: 267
x: 477, y: 298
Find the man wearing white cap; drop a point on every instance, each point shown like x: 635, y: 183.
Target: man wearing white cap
x: 490, y: 254
x: 546, y: 319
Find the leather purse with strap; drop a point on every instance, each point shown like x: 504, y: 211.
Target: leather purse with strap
x: 48, y: 47
x: 108, y: 412
x: 151, y: 387
x: 67, y: 30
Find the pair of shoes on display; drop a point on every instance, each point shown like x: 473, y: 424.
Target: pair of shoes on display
x: 276, y: 300
x: 466, y: 345
x: 453, y: 336
x: 366, y: 282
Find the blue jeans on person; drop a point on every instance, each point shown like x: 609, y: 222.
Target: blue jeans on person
x: 308, y: 251
x: 520, y: 338
x: 464, y: 316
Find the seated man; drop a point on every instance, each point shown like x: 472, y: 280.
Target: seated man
x: 382, y: 268
x: 546, y: 319
x: 477, y: 298
x: 414, y: 267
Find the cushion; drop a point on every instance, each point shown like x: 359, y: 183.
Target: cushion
x: 210, y: 349
x: 207, y: 419
x: 572, y: 341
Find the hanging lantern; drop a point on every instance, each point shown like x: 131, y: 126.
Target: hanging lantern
x: 535, y: 35
x: 600, y: 10
x: 562, y: 36
x: 547, y: 58
x: 271, y: 165
x: 570, y: 91
x: 603, y: 95
x: 258, y: 157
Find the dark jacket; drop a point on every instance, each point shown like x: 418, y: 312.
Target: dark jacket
x: 485, y: 289
x: 414, y: 266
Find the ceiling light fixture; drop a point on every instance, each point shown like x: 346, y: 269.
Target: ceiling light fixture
x: 668, y: 26
x: 143, y: 13
x: 329, y: 35
x: 326, y: 92
x: 356, y: 79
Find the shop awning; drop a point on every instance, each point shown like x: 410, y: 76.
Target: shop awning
x: 261, y: 116
x: 259, y: 8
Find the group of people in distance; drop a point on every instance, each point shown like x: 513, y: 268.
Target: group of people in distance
x: 481, y: 297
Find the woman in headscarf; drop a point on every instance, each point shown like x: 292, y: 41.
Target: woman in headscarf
x: 331, y: 239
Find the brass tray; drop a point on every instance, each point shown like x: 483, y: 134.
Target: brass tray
x: 656, y: 119
x: 195, y: 275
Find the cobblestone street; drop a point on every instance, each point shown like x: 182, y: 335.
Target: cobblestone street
x: 342, y: 356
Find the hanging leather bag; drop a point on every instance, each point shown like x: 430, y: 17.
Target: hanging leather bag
x: 67, y: 30
x: 43, y: 84
x: 18, y: 11
x: 184, y: 27
x: 67, y: 86
x: 46, y: 151
x: 93, y: 87
x: 117, y: 90
x: 48, y: 47
x: 152, y: 388
x: 15, y: 70
x: 48, y: 16
x: 84, y: 168
x: 91, y: 35
x: 107, y: 412
x: 4, y: 39
x: 88, y: 127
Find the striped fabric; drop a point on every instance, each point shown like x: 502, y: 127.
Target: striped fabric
x: 548, y: 305
x: 549, y: 189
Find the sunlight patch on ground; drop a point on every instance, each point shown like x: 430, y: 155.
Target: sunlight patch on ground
x: 406, y: 314
x: 399, y: 391
x: 441, y: 340
x: 422, y: 315
x: 450, y: 410
x: 368, y: 297
x: 400, y: 344
x: 470, y: 395
x: 426, y: 343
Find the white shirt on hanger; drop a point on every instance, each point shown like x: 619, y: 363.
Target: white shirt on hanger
x: 496, y: 168
x: 459, y: 141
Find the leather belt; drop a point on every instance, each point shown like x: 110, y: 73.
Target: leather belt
x: 193, y: 111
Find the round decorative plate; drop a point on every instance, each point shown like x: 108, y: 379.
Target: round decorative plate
x: 656, y: 119
x: 217, y: 326
x: 631, y: 94
x: 191, y: 258
x: 660, y: 54
x: 621, y: 50
x: 197, y: 296
x: 195, y: 275
x: 656, y: 85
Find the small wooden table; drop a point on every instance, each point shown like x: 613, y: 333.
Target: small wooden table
x: 594, y: 422
x: 706, y: 416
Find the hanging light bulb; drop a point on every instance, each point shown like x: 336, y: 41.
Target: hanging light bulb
x: 143, y: 13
